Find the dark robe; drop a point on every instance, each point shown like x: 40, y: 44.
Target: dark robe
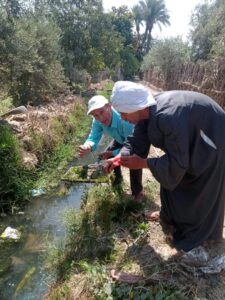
x: 190, y: 128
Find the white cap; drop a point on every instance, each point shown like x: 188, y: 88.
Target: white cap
x: 96, y: 102
x: 129, y: 97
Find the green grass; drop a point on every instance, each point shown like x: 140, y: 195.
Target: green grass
x: 15, y: 180
x: 5, y: 105
x: 91, y: 230
x: 61, y: 292
x: 94, y: 246
x: 68, y: 138
x: 69, y: 134
x: 55, y: 148
x: 107, y: 90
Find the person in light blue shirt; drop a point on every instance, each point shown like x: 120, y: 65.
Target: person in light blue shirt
x: 107, y: 120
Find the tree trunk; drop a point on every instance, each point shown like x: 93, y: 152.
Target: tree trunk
x: 144, y: 37
x: 149, y: 37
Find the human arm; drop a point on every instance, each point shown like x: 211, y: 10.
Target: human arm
x: 134, y: 162
x: 92, y: 140
x: 138, y: 143
x: 112, y: 149
x: 120, y: 130
x: 105, y: 155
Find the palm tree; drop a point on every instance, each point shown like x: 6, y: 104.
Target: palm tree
x: 137, y: 12
x: 153, y: 12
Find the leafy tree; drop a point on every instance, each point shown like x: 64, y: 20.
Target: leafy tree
x: 87, y: 36
x: 165, y: 55
x: 10, y: 10
x: 104, y: 36
x: 218, y: 39
x: 202, y: 32
x: 130, y: 64
x: 122, y: 20
x: 7, y: 49
x: 110, y: 45
x: 36, y: 68
x: 29, y: 52
x: 13, y: 8
x: 207, y: 34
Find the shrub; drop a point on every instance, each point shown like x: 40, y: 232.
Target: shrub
x: 36, y: 70
x: 165, y: 55
x: 15, y: 180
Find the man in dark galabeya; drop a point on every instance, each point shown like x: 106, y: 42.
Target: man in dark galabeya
x: 190, y: 128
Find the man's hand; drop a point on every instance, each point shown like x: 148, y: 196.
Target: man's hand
x: 133, y: 162
x: 105, y: 155
x: 110, y: 164
x: 84, y: 149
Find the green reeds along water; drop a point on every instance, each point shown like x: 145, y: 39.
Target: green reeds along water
x: 15, y: 180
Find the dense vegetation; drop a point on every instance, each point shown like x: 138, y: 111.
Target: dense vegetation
x: 48, y: 44
x: 48, y: 47
x: 51, y: 47
x: 105, y: 235
x: 54, y: 148
x: 16, y: 180
x: 208, y: 33
x: 205, y: 47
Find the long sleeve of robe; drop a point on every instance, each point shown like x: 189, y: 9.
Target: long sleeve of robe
x: 190, y: 128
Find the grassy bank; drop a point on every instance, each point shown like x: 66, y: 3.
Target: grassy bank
x: 66, y: 135
x: 15, y: 180
x: 108, y: 235
x: 55, y: 147
x: 54, y: 141
x: 71, y: 130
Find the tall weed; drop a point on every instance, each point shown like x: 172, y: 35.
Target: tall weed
x: 15, y: 180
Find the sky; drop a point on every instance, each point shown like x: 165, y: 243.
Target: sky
x: 179, y: 10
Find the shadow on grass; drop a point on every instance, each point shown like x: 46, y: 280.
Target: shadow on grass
x: 110, y: 232
x: 92, y: 230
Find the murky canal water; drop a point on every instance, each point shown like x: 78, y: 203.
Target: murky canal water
x: 25, y: 276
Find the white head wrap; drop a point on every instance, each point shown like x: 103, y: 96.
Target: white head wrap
x: 129, y: 97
